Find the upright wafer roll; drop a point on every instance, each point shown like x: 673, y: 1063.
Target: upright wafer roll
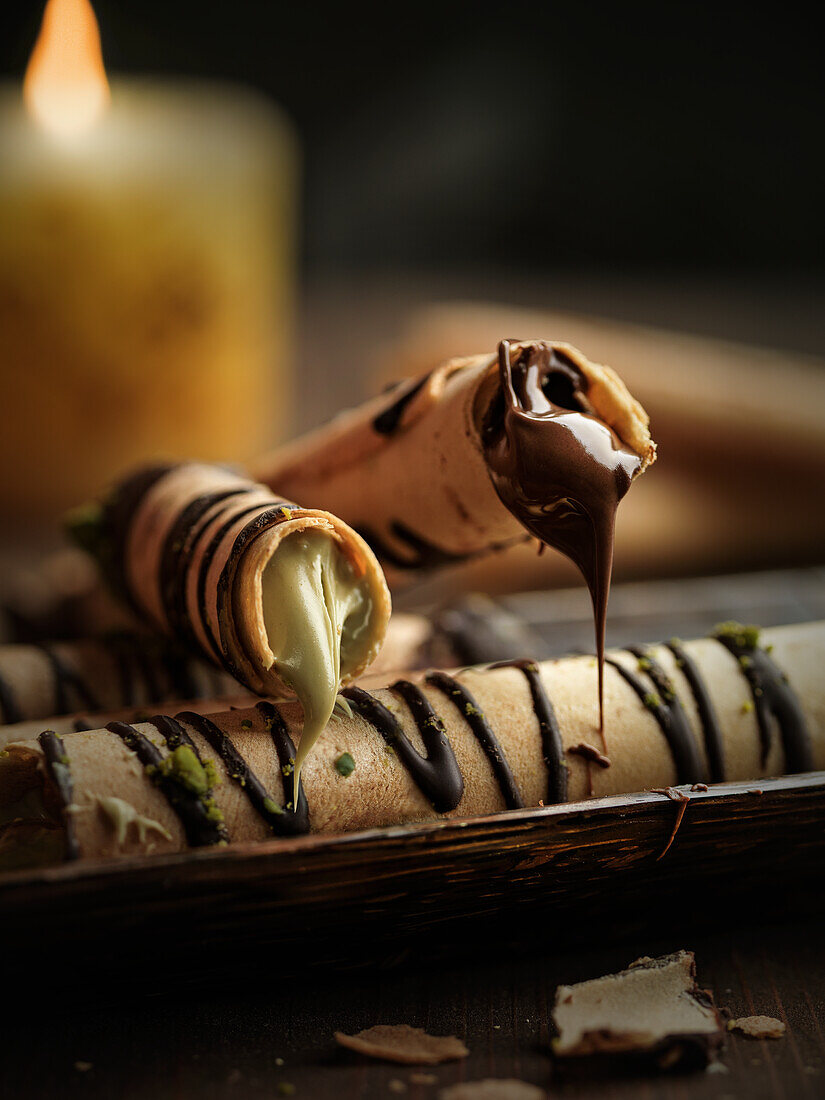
x: 736, y: 706
x: 97, y: 674
x: 414, y: 470
x: 288, y: 600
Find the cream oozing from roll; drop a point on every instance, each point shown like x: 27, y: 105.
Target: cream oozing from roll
x: 316, y: 612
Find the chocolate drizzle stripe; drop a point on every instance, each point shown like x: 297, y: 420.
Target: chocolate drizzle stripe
x: 424, y: 554
x: 672, y: 722
x: 551, y: 740
x: 386, y: 422
x: 437, y: 775
x: 711, y: 730
x: 59, y: 771
x: 296, y: 817
x: 773, y: 697
x: 250, y: 533
x: 471, y: 712
x: 118, y: 514
x: 176, y: 555
x: 9, y: 707
x: 66, y: 679
x: 208, y: 555
x: 282, y: 822
x: 200, y: 831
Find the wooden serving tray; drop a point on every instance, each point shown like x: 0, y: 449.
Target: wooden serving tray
x: 372, y: 895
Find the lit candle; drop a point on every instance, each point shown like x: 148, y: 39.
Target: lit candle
x: 145, y: 271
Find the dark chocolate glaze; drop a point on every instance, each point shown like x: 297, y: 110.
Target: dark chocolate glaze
x: 661, y: 701
x: 118, y: 513
x: 471, y: 712
x: 387, y: 421
x: 269, y: 517
x: 9, y: 707
x: 175, y: 557
x: 551, y: 743
x: 66, y: 679
x: 774, y: 698
x: 437, y: 774
x: 58, y: 770
x: 423, y: 553
x: 711, y: 730
x: 199, y: 829
x: 296, y: 819
x: 82, y: 725
x: 560, y: 470
x: 281, y: 822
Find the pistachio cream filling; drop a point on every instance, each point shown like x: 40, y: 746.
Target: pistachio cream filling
x: 317, y: 613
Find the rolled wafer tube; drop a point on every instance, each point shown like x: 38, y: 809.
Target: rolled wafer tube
x: 475, y: 742
x: 413, y: 469
x: 288, y: 600
x: 101, y: 674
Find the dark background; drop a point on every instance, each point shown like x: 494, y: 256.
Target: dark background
x: 523, y: 135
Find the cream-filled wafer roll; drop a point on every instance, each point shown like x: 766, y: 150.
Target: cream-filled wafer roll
x: 481, y: 453
x: 101, y: 674
x: 288, y: 600
x: 736, y: 706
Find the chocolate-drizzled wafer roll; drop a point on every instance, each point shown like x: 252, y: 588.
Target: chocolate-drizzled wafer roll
x: 100, y: 674
x: 288, y: 600
x: 473, y: 742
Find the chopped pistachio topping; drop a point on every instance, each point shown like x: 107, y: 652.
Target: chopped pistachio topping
x: 747, y: 637
x: 182, y: 765
x: 652, y: 700
x: 345, y: 765
x: 644, y: 664
x: 747, y: 706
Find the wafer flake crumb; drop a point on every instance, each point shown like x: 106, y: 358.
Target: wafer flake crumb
x: 401, y: 1043
x: 506, y: 1088
x: 758, y: 1027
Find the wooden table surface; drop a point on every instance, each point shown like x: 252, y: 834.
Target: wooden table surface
x: 269, y: 1031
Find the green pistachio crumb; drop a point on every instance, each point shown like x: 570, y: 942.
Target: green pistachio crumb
x: 271, y: 806
x: 183, y: 766
x: 345, y: 765
x: 652, y: 700
x: 644, y: 664
x: 747, y: 706
x: 246, y: 724
x: 745, y: 636
x: 769, y: 647
x: 288, y: 769
x: 745, y: 662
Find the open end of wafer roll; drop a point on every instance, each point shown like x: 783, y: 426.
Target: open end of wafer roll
x: 289, y: 600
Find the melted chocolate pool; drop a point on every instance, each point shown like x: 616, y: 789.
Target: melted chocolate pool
x: 560, y: 470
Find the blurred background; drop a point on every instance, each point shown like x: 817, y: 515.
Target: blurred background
x: 451, y: 173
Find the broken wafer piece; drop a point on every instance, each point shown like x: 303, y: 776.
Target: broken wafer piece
x: 288, y: 600
x: 758, y: 1027
x: 402, y: 1043
x: 654, y: 1010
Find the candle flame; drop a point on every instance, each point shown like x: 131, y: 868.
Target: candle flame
x: 65, y: 86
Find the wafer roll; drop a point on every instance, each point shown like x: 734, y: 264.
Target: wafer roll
x: 101, y: 674
x: 288, y: 600
x: 477, y: 742
x: 409, y: 469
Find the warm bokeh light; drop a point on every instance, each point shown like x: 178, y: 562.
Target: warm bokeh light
x: 65, y: 87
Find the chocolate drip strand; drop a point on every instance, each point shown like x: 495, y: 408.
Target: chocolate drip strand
x: 773, y: 698
x: 473, y: 715
x: 200, y: 830
x: 281, y: 822
x: 551, y: 743
x: 437, y: 774
x: 297, y: 821
x: 58, y: 770
x: 711, y: 730
x: 667, y: 710
x: 9, y: 707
